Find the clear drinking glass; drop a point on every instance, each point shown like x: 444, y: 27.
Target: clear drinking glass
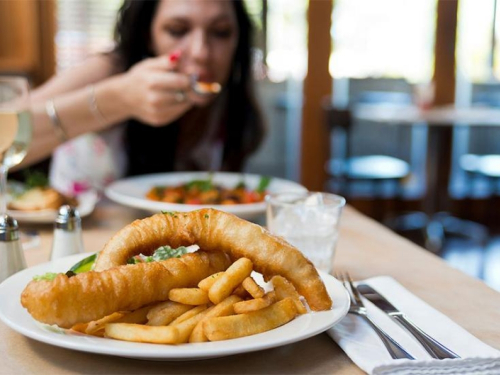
x: 15, y: 128
x: 309, y: 221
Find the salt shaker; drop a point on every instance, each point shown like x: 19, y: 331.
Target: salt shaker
x: 67, y: 233
x: 11, y: 251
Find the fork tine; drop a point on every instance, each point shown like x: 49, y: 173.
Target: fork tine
x: 355, y: 292
x: 342, y: 278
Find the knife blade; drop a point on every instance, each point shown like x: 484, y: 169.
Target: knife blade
x: 431, y: 345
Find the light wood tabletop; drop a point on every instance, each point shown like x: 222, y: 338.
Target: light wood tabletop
x: 448, y: 115
x: 365, y: 249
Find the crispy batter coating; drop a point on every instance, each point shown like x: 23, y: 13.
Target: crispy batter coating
x: 92, y: 295
x: 217, y: 231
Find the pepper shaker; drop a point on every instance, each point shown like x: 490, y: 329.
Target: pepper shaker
x: 67, y: 233
x: 11, y: 251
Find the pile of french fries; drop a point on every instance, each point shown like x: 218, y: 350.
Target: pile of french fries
x: 226, y: 305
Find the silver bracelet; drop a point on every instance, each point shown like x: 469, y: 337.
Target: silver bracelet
x: 50, y: 108
x: 93, y: 106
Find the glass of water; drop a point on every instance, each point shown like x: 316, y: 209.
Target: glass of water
x: 309, y: 221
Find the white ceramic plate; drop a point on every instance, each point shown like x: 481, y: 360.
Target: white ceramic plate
x: 86, y: 204
x: 16, y: 317
x: 132, y: 191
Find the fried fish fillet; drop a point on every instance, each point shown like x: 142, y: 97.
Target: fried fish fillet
x: 93, y: 295
x: 217, y: 231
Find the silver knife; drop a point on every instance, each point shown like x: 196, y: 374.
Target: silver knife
x: 433, y: 347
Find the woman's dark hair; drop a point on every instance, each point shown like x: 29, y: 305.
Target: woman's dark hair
x: 244, y: 130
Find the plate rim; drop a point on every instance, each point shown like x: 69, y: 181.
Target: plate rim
x: 247, y: 344
x: 154, y: 206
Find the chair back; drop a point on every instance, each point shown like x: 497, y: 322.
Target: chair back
x: 335, y: 117
x: 339, y: 123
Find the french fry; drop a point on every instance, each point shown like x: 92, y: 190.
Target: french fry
x: 284, y: 288
x: 207, y: 282
x: 222, y: 309
x: 166, y: 312
x: 142, y: 333
x: 80, y: 327
x: 234, y: 275
x: 253, y: 288
x: 241, y: 292
x: 96, y: 328
x: 186, y: 327
x: 245, y: 307
x: 234, y: 326
x: 189, y: 314
x: 138, y: 316
x: 189, y: 296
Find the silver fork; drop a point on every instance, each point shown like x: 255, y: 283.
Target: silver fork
x: 358, y: 308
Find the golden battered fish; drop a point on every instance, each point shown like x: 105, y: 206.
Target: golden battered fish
x: 92, y: 295
x: 217, y: 231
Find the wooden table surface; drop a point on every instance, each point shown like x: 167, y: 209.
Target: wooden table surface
x: 365, y: 249
x: 435, y: 116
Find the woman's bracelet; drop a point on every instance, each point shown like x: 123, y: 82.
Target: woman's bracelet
x: 50, y: 108
x: 94, y: 109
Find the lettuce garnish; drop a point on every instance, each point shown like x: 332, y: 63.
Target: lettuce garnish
x: 49, y: 276
x: 162, y: 253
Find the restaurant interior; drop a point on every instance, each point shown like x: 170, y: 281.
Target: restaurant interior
x: 310, y: 62
x: 393, y: 105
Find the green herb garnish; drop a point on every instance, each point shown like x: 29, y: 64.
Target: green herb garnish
x: 241, y: 185
x: 162, y: 253
x: 263, y: 184
x: 84, y: 265
x: 34, y: 179
x: 202, y: 185
x: 49, y: 276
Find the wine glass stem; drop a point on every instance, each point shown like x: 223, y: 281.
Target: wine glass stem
x: 3, y: 189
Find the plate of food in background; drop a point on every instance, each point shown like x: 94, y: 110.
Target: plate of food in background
x: 36, y: 202
x: 236, y: 193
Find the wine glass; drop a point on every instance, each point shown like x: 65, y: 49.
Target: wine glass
x: 15, y: 128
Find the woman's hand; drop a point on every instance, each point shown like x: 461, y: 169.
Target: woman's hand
x: 154, y: 93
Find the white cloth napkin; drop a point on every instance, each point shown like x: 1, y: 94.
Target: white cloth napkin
x: 363, y: 346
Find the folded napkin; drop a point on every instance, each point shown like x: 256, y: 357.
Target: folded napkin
x: 360, y: 342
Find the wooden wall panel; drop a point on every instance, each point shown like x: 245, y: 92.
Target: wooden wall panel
x: 27, y: 30
x: 318, y: 84
x: 18, y: 35
x: 47, y: 33
x: 444, y: 51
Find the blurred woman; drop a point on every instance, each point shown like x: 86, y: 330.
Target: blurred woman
x: 141, y: 99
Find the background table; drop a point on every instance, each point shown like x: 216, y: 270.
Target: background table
x: 440, y: 122
x: 365, y: 249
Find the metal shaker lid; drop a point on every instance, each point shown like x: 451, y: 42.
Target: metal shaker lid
x: 9, y: 230
x: 68, y: 218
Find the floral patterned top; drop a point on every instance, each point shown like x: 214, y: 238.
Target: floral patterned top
x: 88, y: 162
